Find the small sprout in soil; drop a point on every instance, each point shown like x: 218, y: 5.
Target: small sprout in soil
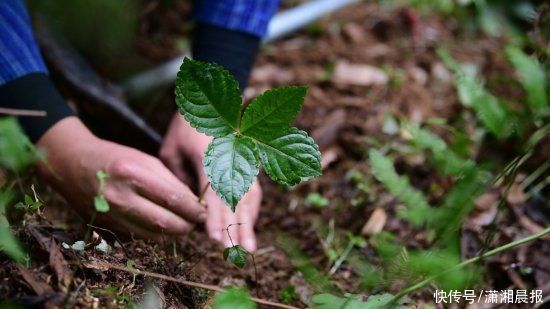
x: 288, y: 294
x: 316, y: 200
x: 209, y: 98
x: 100, y: 203
x: 235, y: 254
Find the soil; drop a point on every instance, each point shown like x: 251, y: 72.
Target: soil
x: 346, y: 120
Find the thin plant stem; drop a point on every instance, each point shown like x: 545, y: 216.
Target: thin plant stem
x: 203, y: 192
x: 89, y: 229
x: 342, y: 257
x: 102, y: 266
x: 489, y: 253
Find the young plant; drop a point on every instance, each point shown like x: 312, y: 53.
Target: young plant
x: 209, y: 98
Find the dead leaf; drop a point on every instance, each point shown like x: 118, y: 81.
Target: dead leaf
x: 485, y: 211
x: 376, y: 222
x: 354, y: 32
x: 329, y: 131
x: 60, y: 266
x: 328, y: 157
x: 38, y: 286
x: 358, y: 75
x: 515, y: 196
x: 271, y: 74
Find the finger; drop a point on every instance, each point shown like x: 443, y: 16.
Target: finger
x: 123, y: 226
x: 162, y: 187
x: 214, y: 223
x: 150, y: 216
x: 247, y: 237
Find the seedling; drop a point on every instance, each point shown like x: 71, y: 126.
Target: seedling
x: 209, y: 98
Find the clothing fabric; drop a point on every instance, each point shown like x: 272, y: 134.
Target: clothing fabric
x: 249, y: 16
x: 19, y: 53
x: 228, y: 32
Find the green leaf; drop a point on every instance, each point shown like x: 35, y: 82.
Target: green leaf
x: 290, y: 157
x: 231, y: 165
x: 208, y: 97
x: 236, y: 255
x: 101, y: 204
x: 533, y: 79
x: 329, y: 301
x: 288, y: 294
x: 16, y: 151
x: 8, y: 242
x: 234, y: 298
x: 491, y: 113
x: 272, y: 111
x: 417, y: 206
x: 446, y: 159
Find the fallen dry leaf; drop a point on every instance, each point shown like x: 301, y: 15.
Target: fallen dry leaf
x: 328, y: 157
x: 376, y: 222
x: 358, y: 74
x: 39, y: 287
x: 271, y: 74
x: 515, y: 196
x: 329, y: 130
x: 485, y: 211
x: 354, y: 32
x: 60, y: 266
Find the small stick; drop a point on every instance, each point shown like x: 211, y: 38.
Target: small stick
x: 22, y: 112
x: 203, y: 192
x: 105, y: 265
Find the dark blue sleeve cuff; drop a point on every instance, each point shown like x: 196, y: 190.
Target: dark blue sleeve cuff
x: 35, y: 92
x: 234, y: 50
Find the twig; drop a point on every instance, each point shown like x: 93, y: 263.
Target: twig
x: 470, y: 261
x: 105, y: 266
x: 22, y: 112
x: 203, y: 192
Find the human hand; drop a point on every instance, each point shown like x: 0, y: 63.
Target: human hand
x: 145, y: 197
x: 183, y: 141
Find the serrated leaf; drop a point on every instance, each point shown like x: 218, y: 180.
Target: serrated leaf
x: 417, y: 205
x: 231, y: 165
x: 236, y: 255
x: 290, y: 157
x: 208, y: 97
x: 533, y: 79
x: 101, y: 204
x: 272, y: 111
x: 234, y: 298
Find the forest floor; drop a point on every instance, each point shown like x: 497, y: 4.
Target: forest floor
x: 361, y: 65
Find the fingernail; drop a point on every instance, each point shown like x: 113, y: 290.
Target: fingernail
x: 249, y: 244
x: 202, y: 216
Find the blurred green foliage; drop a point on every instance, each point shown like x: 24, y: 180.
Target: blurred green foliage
x: 104, y: 31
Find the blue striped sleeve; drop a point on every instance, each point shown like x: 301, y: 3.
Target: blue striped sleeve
x: 249, y: 16
x: 19, y: 53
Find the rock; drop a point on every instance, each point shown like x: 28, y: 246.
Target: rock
x: 358, y: 75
